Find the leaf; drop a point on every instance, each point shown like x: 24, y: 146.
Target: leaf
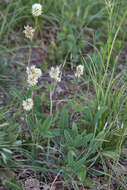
x: 70, y: 156
x: 77, y: 141
x: 4, y: 157
x: 83, y: 141
x: 38, y: 87
x: 111, y: 154
x: 88, y: 183
x: 74, y: 129
x: 12, y: 185
x: 61, y: 36
x: 4, y: 124
x: 56, y: 116
x: 88, y: 113
x: 97, y: 142
x: 63, y: 123
x: 99, y: 114
x: 99, y: 173
x: 70, y: 45
x: 71, y: 37
x: 56, y: 132
x: 38, y: 106
x: 80, y: 162
x: 18, y: 142
x: 82, y: 173
x: 7, y: 150
x: 68, y: 137
x: 11, y: 128
x: 30, y: 124
x: 43, y: 128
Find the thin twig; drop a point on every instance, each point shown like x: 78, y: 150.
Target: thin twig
x: 51, y: 188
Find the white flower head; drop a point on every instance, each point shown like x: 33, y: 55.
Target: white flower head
x: 34, y: 71
x: 38, y: 72
x: 31, y: 70
x: 79, y: 70
x: 33, y: 75
x: 29, y: 32
x: 36, y: 9
x: 32, y: 80
x: 55, y: 73
x: 27, y: 104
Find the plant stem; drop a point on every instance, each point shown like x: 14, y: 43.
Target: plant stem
x: 51, y: 102
x: 52, y: 89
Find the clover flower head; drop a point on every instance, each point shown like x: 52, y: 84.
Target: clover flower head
x: 34, y: 71
x: 38, y: 72
x: 27, y: 104
x: 55, y: 73
x: 29, y: 32
x: 32, y: 80
x: 79, y: 71
x: 36, y: 9
x: 31, y: 70
x: 33, y: 75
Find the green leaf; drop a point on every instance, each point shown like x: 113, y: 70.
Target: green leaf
x: 70, y: 156
x: 38, y: 87
x: 56, y: 132
x: 11, y: 128
x: 43, y: 128
x: 56, y: 116
x: 82, y: 173
x: 111, y: 154
x: 88, y: 183
x: 38, y: 106
x: 97, y: 142
x: 80, y: 162
x: 4, y: 157
x: 4, y: 125
x: 63, y: 123
x: 30, y: 123
x: 70, y: 45
x: 77, y: 141
x: 71, y: 37
x: 99, y: 114
x: 88, y: 113
x: 74, y: 129
x: 61, y: 36
x: 7, y: 150
x: 13, y: 185
x: 68, y: 137
x: 18, y: 142
x: 83, y: 140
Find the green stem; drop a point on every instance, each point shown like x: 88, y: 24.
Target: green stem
x: 52, y: 89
